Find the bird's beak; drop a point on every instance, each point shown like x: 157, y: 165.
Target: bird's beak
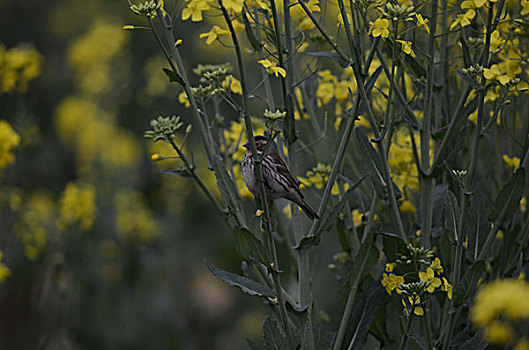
x: 246, y: 145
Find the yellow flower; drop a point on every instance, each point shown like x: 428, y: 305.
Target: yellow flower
x: 357, y: 219
x: 429, y: 276
x: 436, y: 266
x: 406, y: 47
x: 499, y: 234
x: 523, y: 343
x: 496, y: 41
x: 233, y: 84
x: 523, y: 204
x: 494, y: 73
x: 318, y: 176
x: 379, y: 28
x: 272, y: 68
x: 473, y: 4
x: 447, y: 287
x: 525, y: 8
x: 501, y: 297
x: 4, y: 270
x: 498, y: 333
x: 182, y: 98
x: 392, y: 282
x: 235, y: 5
x: 155, y: 157
x: 335, y: 189
x: 463, y: 20
x: 422, y: 23
x: 134, y: 219
x: 77, y: 204
x: 259, y: 212
x: 511, y: 163
x: 214, y: 34
x: 407, y: 207
x: 194, y: 10
x: 414, y: 300
x: 9, y: 139
x: 390, y: 267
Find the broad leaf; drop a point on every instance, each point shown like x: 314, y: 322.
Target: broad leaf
x: 362, y: 316
x: 509, y: 197
x: 173, y: 76
x: 469, y: 282
x: 248, y: 285
x: 273, y: 339
x: 251, y: 247
x: 393, y: 244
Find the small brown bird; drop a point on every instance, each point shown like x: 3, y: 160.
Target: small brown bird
x: 278, y: 181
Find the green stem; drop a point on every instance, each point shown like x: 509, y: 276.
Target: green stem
x: 274, y: 268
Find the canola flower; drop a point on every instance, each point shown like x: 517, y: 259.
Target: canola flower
x: 18, y: 66
x: 37, y: 216
x: 391, y: 282
x: 77, y: 205
x: 464, y: 19
x: 406, y: 47
x: 379, y: 28
x: 511, y: 163
x: 9, y: 140
x: 413, y: 302
x: 214, y: 34
x: 272, y: 68
x: 422, y: 23
x: 134, y: 220
x: 4, y: 270
x: 495, y: 74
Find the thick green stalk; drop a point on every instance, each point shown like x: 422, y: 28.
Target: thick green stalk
x: 274, y: 265
x: 427, y: 181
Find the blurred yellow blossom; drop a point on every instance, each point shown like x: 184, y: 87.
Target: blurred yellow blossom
x: 18, y: 66
x: 4, y: 270
x: 407, y: 207
x: 318, y: 176
x: 134, y: 219
x: 235, y: 5
x: 77, y: 205
x: 357, y: 218
x: 37, y: 215
x: 9, y: 139
x: 501, y: 297
x: 447, y: 287
x: 498, y: 333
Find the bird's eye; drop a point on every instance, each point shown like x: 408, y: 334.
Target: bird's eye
x: 257, y: 144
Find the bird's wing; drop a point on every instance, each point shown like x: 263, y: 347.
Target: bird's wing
x: 283, y: 170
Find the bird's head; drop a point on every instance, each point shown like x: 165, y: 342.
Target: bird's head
x: 260, y: 143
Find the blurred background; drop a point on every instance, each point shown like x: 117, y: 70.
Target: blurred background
x: 99, y: 248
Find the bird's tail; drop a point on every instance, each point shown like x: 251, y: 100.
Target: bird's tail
x: 308, y: 210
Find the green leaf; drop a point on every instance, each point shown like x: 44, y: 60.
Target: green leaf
x: 371, y: 163
x: 327, y: 220
x: 273, y: 339
x: 469, y: 282
x: 509, y: 197
x: 173, y: 76
x: 248, y: 285
x: 439, y: 193
x: 452, y: 215
x: 477, y: 225
x: 343, y: 63
x: 365, y: 259
x: 393, y: 244
x: 362, y: 316
x: 343, y: 236
x: 251, y: 247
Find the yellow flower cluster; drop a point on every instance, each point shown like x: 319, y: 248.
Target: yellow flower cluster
x: 498, y: 306
x: 77, y: 205
x: 93, y: 54
x: 18, y: 66
x: 317, y: 177
x: 37, y: 217
x: 4, y: 270
x: 331, y: 88
x: 9, y: 139
x: 94, y: 136
x: 401, y: 160
x: 134, y: 220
